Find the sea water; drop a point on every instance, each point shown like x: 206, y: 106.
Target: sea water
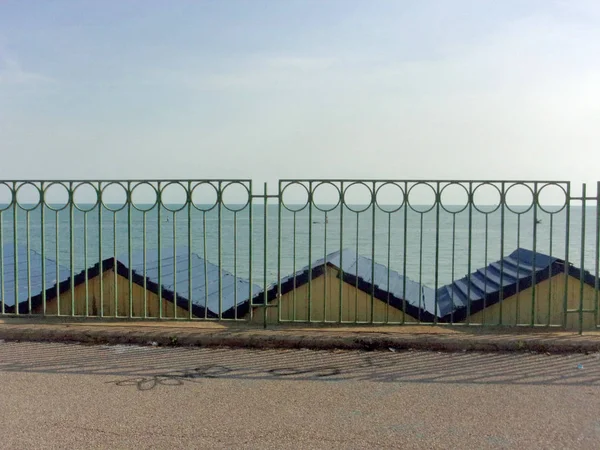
x: 418, y: 244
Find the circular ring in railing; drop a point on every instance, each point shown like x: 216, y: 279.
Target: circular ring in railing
x: 6, y: 192
x: 380, y: 193
x: 527, y: 191
x: 56, y: 186
x: 323, y: 187
x: 113, y: 206
x: 181, y: 203
x: 493, y: 190
x: 461, y: 189
x: 38, y: 193
x: 428, y: 187
x: 355, y: 186
x: 151, y: 192
x: 561, y: 192
x: 244, y: 193
x: 198, y: 189
x: 290, y: 187
x: 81, y: 206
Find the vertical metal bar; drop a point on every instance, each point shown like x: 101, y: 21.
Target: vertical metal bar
x: 144, y: 249
x: 100, y: 257
x: 2, y: 298
x: 518, y: 299
x: 250, y: 245
x: 389, y: 260
x: 159, y: 250
x: 129, y: 254
x: 206, y: 258
x: 57, y: 268
x: 325, y: 296
x: 452, y: 268
x: 533, y: 282
x: 341, y: 298
x: 597, y: 260
x: 174, y: 265
x: 16, y: 250
x: 279, y: 207
x: 294, y: 272
x: 265, y: 259
x: 310, y: 215
x: 469, y: 253
x: 235, y: 278
x: 502, y: 219
x: 189, y: 235
x: 373, y: 254
x: 220, y: 256
x: 582, y: 256
x: 42, y: 243
x: 28, y: 245
x: 71, y: 248
x: 437, y: 250
x: 420, y: 267
x: 485, y: 268
x: 404, y: 230
x: 550, y: 273
x: 567, y: 242
x: 356, y: 271
x: 85, y: 263
x: 115, y: 287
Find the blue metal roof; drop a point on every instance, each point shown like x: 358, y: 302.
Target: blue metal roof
x: 7, y: 274
x: 356, y: 269
x: 483, y: 287
x: 175, y: 278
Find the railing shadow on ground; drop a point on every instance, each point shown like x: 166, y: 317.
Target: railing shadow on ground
x: 149, y: 367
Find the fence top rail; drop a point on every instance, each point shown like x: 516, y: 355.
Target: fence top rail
x: 383, y: 180
x: 133, y: 180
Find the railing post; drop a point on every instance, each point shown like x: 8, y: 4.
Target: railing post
x: 597, y: 260
x: 265, y: 227
x: 582, y: 256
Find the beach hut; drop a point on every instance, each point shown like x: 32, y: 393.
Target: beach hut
x: 341, y: 285
x: 521, y: 287
x: 104, y: 288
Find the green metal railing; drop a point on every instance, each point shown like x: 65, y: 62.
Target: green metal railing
x: 327, y: 251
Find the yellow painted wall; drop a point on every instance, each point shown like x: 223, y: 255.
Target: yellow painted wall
x: 549, y: 298
x: 325, y: 304
x: 108, y: 282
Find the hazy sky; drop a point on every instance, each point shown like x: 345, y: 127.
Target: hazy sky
x: 307, y: 89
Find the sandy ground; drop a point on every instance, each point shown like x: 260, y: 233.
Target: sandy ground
x: 75, y: 396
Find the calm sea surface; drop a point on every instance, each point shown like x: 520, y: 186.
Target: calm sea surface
x: 410, y: 236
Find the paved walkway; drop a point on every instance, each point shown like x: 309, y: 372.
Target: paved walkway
x: 58, y: 396
x: 211, y: 334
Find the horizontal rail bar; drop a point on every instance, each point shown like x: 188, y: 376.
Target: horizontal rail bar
x: 416, y: 180
x: 134, y: 180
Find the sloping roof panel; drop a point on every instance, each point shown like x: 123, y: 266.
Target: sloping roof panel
x: 516, y: 272
x: 25, y: 282
x: 175, y: 278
